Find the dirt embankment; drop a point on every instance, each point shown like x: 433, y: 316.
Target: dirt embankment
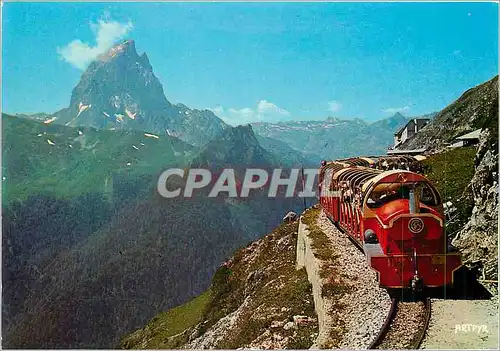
x: 350, y: 305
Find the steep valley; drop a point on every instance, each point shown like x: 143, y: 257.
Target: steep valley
x: 91, y: 247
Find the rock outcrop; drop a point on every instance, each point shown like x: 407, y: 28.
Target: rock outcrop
x: 290, y: 217
x: 478, y: 240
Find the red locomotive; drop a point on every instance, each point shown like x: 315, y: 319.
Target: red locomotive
x: 395, y: 216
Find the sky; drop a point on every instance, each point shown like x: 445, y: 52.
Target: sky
x: 252, y: 62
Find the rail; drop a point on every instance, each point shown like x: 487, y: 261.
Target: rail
x: 396, y: 333
x: 385, y: 327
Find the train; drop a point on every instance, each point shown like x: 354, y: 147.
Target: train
x: 394, y: 214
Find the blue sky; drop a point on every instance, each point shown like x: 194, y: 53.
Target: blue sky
x: 260, y: 61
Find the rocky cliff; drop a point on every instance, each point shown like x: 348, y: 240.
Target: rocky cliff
x: 478, y: 240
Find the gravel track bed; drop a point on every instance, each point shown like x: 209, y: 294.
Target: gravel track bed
x: 405, y: 327
x: 365, y: 306
x: 463, y: 324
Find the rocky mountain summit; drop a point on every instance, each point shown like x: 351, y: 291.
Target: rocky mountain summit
x: 120, y: 91
x: 237, y: 149
x: 236, y: 146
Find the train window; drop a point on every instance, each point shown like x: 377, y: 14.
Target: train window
x: 386, y: 192
x: 427, y: 195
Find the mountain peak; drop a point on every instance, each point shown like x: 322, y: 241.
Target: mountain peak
x: 120, y: 91
x: 145, y: 61
x: 398, y: 115
x: 333, y: 119
x: 242, y: 135
x: 236, y: 146
x: 126, y: 47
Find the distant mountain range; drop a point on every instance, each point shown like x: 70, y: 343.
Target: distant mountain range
x: 334, y: 138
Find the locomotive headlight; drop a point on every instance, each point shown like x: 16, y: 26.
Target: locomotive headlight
x: 370, y: 237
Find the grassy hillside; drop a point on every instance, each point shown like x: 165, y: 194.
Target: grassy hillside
x: 451, y: 172
x: 66, y: 162
x: 169, y: 324
x: 257, y: 287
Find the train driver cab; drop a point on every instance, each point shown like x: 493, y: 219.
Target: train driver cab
x: 420, y: 195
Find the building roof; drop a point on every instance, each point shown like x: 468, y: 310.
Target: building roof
x: 413, y: 151
x: 457, y: 144
x: 420, y: 157
x: 471, y: 135
x: 400, y: 130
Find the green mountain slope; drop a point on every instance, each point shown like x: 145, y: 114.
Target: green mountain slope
x: 91, y: 251
x: 150, y: 256
x: 284, y: 152
x: 67, y: 162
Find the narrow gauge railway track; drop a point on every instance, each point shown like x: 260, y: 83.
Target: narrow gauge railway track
x: 406, y: 322
x: 405, y: 325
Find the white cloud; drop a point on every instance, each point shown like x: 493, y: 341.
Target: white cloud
x: 266, y: 108
x: 265, y: 111
x: 396, y: 109
x: 107, y: 32
x: 217, y: 110
x: 334, y: 106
